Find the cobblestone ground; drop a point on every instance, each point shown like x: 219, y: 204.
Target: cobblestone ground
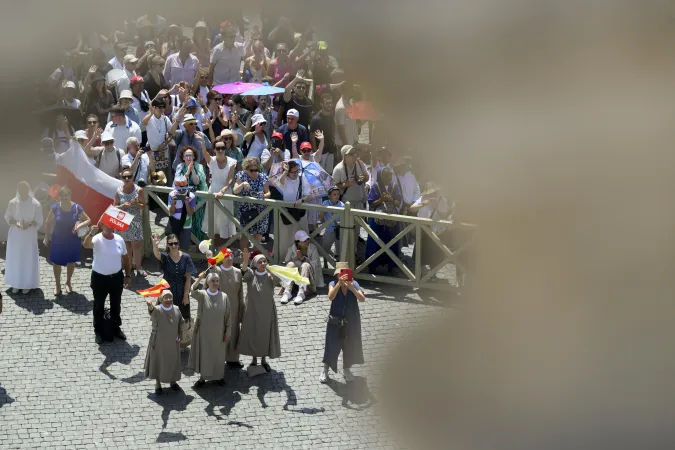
x: 59, y: 389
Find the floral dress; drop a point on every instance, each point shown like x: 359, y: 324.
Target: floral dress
x: 198, y: 216
x: 135, y: 230
x: 246, y: 210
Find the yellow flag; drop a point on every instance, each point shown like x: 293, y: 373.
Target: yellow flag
x: 287, y: 274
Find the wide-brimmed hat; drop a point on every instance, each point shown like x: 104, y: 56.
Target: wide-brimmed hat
x: 256, y: 119
x: 340, y: 266
x: 189, y: 118
x: 228, y: 132
x: 430, y: 188
x: 158, y: 178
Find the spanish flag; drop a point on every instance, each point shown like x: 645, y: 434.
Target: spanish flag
x: 222, y: 254
x: 155, y: 290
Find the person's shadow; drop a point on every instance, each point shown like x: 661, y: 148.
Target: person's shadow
x: 75, y: 303
x: 5, y: 399
x: 171, y: 401
x: 119, y: 352
x: 355, y: 394
x: 222, y: 399
x: 34, y: 301
x: 166, y: 437
x: 275, y: 382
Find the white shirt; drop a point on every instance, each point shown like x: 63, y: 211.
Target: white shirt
x: 437, y: 209
x: 156, y: 130
x: 144, y: 163
x: 108, y: 254
x: 227, y: 63
x: 203, y: 90
x: 341, y: 118
x: 175, y: 71
x: 136, y: 104
x: 290, y: 189
x: 116, y: 64
x: 256, y: 148
x: 123, y: 132
x: 265, y: 156
x: 409, y: 187
x: 110, y: 164
x: 74, y: 104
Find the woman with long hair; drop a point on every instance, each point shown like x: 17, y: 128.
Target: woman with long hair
x: 98, y: 100
x: 177, y: 268
x: 222, y: 169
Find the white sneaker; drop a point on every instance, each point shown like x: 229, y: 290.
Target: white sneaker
x: 348, y: 375
x: 25, y: 291
x: 15, y: 291
x: 299, y: 299
x: 323, y: 378
x: 286, y: 297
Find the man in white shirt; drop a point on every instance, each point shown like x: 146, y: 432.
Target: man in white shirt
x: 124, y: 83
x: 226, y: 59
x: 121, y: 127
x: 68, y: 92
x: 158, y: 128
x: 108, y: 158
x: 110, y: 254
x: 140, y: 164
x: 181, y: 66
x: 345, y: 126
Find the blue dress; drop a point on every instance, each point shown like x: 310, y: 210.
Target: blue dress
x: 385, y: 231
x: 344, y: 305
x: 65, y: 245
x: 247, y: 210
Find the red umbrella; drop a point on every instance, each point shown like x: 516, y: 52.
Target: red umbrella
x: 362, y: 111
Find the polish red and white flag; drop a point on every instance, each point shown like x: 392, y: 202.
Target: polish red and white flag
x: 116, y: 219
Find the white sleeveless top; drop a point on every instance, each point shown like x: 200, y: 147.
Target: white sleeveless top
x: 256, y: 148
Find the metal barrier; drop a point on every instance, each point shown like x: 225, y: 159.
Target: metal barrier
x: 349, y: 217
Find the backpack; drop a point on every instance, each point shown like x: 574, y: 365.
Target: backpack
x: 107, y: 330
x: 119, y: 159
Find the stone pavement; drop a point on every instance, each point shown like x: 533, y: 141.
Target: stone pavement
x: 59, y: 389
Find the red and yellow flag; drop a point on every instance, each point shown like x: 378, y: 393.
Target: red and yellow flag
x: 155, y: 290
x: 218, y: 258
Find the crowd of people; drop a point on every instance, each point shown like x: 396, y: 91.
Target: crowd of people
x: 146, y: 112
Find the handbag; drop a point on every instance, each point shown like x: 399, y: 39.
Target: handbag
x: 187, y: 328
x: 296, y: 213
x: 339, y: 321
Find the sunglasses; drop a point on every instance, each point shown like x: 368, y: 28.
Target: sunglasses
x: 306, y: 150
x: 220, y: 149
x: 107, y: 143
x: 300, y: 87
x: 218, y: 99
x: 228, y: 138
x: 172, y: 244
x: 127, y: 177
x: 92, y: 122
x: 282, y: 50
x: 253, y: 170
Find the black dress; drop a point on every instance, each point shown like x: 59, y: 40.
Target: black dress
x: 152, y: 87
x: 344, y: 305
x: 174, y: 274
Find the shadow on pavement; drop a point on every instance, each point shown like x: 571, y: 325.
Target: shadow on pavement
x: 4, y: 398
x: 275, y: 382
x: 166, y: 437
x: 355, y: 394
x: 170, y: 400
x: 75, y: 303
x: 117, y: 352
x: 34, y: 301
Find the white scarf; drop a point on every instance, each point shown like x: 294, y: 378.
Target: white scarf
x: 166, y: 308
x: 208, y: 291
x: 264, y: 272
x: 226, y: 268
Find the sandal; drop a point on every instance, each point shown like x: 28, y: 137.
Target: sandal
x: 69, y: 288
x: 58, y: 292
x: 141, y: 272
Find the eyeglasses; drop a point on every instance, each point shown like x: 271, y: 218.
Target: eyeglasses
x: 188, y: 155
x: 92, y: 122
x: 107, y: 143
x: 172, y: 244
x: 228, y: 138
x: 127, y: 177
x: 220, y: 149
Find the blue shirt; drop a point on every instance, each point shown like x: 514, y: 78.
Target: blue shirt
x: 327, y: 216
x: 182, y: 138
x: 131, y: 114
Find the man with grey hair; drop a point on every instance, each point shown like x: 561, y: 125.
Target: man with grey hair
x: 141, y: 165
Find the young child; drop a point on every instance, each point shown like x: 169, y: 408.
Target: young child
x: 180, y: 222
x: 332, y: 232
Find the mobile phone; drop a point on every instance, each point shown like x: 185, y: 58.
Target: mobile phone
x: 180, y: 196
x: 349, y: 273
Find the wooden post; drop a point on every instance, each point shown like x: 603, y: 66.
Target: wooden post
x: 147, y: 231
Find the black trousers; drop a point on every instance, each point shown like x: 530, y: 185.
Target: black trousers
x: 102, y: 286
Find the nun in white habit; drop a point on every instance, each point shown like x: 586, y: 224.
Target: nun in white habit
x: 24, y: 217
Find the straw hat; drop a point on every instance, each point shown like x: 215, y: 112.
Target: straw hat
x: 340, y: 266
x: 228, y: 132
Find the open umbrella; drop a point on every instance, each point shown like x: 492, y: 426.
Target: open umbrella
x: 236, y: 88
x: 362, y: 111
x: 265, y: 90
x: 315, y: 181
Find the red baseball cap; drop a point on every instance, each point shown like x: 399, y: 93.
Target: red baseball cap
x: 277, y: 135
x: 137, y: 79
x: 305, y: 145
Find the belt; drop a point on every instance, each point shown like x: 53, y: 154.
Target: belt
x: 107, y: 276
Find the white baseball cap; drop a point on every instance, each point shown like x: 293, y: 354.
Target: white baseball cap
x: 256, y: 119
x: 69, y: 84
x: 126, y: 94
x: 107, y: 136
x: 293, y: 113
